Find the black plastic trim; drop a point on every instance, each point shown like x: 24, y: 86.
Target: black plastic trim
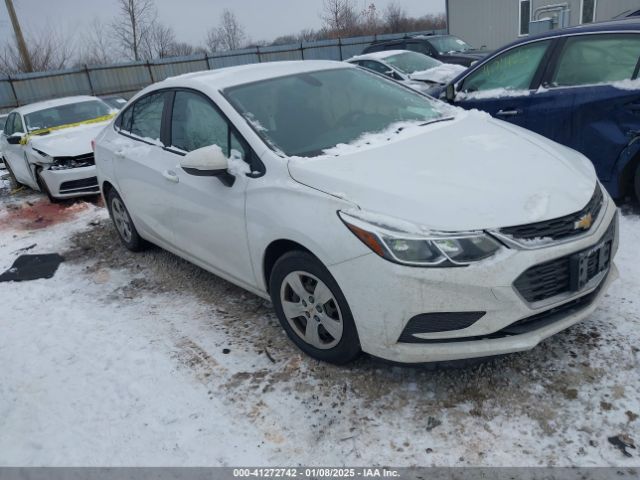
x: 437, y: 322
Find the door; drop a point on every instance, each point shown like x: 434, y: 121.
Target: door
x: 14, y: 153
x: 143, y: 168
x: 594, y: 74
x: 209, y: 221
x: 505, y: 85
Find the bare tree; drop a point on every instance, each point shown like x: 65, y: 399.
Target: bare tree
x: 339, y: 17
x: 230, y: 33
x: 95, y: 45
x: 159, y: 42
x: 133, y: 26
x: 183, y: 49
x: 369, y: 20
x: 395, y: 18
x: 49, y: 50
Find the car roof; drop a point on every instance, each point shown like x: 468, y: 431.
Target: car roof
x: 623, y: 25
x: 56, y: 102
x: 419, y: 36
x: 378, y: 55
x: 222, y: 78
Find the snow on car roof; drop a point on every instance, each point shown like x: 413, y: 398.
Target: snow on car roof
x: 377, y: 55
x: 231, y: 76
x: 56, y: 102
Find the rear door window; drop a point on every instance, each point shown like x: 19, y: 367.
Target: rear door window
x: 512, y: 70
x: 594, y: 59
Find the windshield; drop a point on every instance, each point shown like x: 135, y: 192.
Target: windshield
x: 448, y: 44
x: 307, y: 113
x: 410, y: 62
x: 66, y: 114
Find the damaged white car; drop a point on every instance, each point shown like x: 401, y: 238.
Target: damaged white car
x: 47, y: 145
x: 415, y: 70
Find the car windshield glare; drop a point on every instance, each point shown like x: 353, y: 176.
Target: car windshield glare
x: 448, y: 44
x: 307, y: 113
x: 411, y: 62
x: 66, y: 114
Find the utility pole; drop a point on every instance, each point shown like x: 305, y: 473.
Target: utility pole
x: 22, y: 46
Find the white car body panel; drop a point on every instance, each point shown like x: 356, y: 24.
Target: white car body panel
x: 392, y: 179
x: 456, y: 175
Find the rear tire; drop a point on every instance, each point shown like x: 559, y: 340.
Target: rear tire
x: 123, y: 223
x: 312, y: 309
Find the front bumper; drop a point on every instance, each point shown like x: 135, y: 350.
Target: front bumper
x: 72, y: 182
x: 384, y: 296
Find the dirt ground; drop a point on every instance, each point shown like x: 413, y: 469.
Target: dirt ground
x: 555, y: 405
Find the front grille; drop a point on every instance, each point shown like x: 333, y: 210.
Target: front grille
x: 65, y: 163
x: 559, y: 228
x: 556, y: 277
x: 82, y: 185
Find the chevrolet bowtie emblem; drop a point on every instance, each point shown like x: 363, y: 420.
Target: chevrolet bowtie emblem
x: 584, y: 223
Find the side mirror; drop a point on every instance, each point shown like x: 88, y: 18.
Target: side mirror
x: 451, y: 92
x: 205, y: 162
x: 473, y: 63
x: 14, y: 139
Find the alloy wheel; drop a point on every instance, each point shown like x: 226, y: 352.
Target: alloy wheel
x: 311, y: 310
x: 121, y: 219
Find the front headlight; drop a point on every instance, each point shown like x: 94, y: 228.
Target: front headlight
x: 403, y: 243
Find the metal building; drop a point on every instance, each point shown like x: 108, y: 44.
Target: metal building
x: 494, y: 23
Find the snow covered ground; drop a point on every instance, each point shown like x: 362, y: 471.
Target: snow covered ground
x: 124, y: 359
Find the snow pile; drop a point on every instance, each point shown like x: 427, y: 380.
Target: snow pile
x: 627, y: 84
x: 237, y: 166
x: 441, y: 74
x: 493, y: 93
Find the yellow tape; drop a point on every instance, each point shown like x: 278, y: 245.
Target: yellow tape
x: 104, y: 118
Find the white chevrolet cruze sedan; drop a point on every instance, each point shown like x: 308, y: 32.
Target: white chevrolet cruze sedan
x: 375, y: 218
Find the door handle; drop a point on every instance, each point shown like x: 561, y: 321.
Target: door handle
x: 171, y: 176
x: 119, y: 154
x: 509, y: 113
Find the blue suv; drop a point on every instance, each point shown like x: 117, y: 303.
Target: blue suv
x: 578, y: 86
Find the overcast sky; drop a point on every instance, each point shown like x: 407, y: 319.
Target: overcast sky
x: 262, y: 19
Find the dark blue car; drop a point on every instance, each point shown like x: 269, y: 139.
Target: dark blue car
x: 578, y: 86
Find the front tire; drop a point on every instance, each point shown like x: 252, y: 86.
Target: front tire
x: 312, y: 309
x: 123, y: 223
x: 44, y: 189
x: 14, y: 180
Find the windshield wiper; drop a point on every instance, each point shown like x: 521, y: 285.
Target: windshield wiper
x: 444, y: 119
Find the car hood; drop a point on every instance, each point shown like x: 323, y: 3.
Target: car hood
x: 470, y: 173
x: 67, y: 142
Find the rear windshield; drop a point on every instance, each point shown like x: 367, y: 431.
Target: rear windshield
x: 449, y: 44
x: 307, y: 113
x: 66, y: 114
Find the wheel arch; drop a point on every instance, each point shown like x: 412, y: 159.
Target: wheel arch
x: 626, y: 175
x: 274, y: 251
